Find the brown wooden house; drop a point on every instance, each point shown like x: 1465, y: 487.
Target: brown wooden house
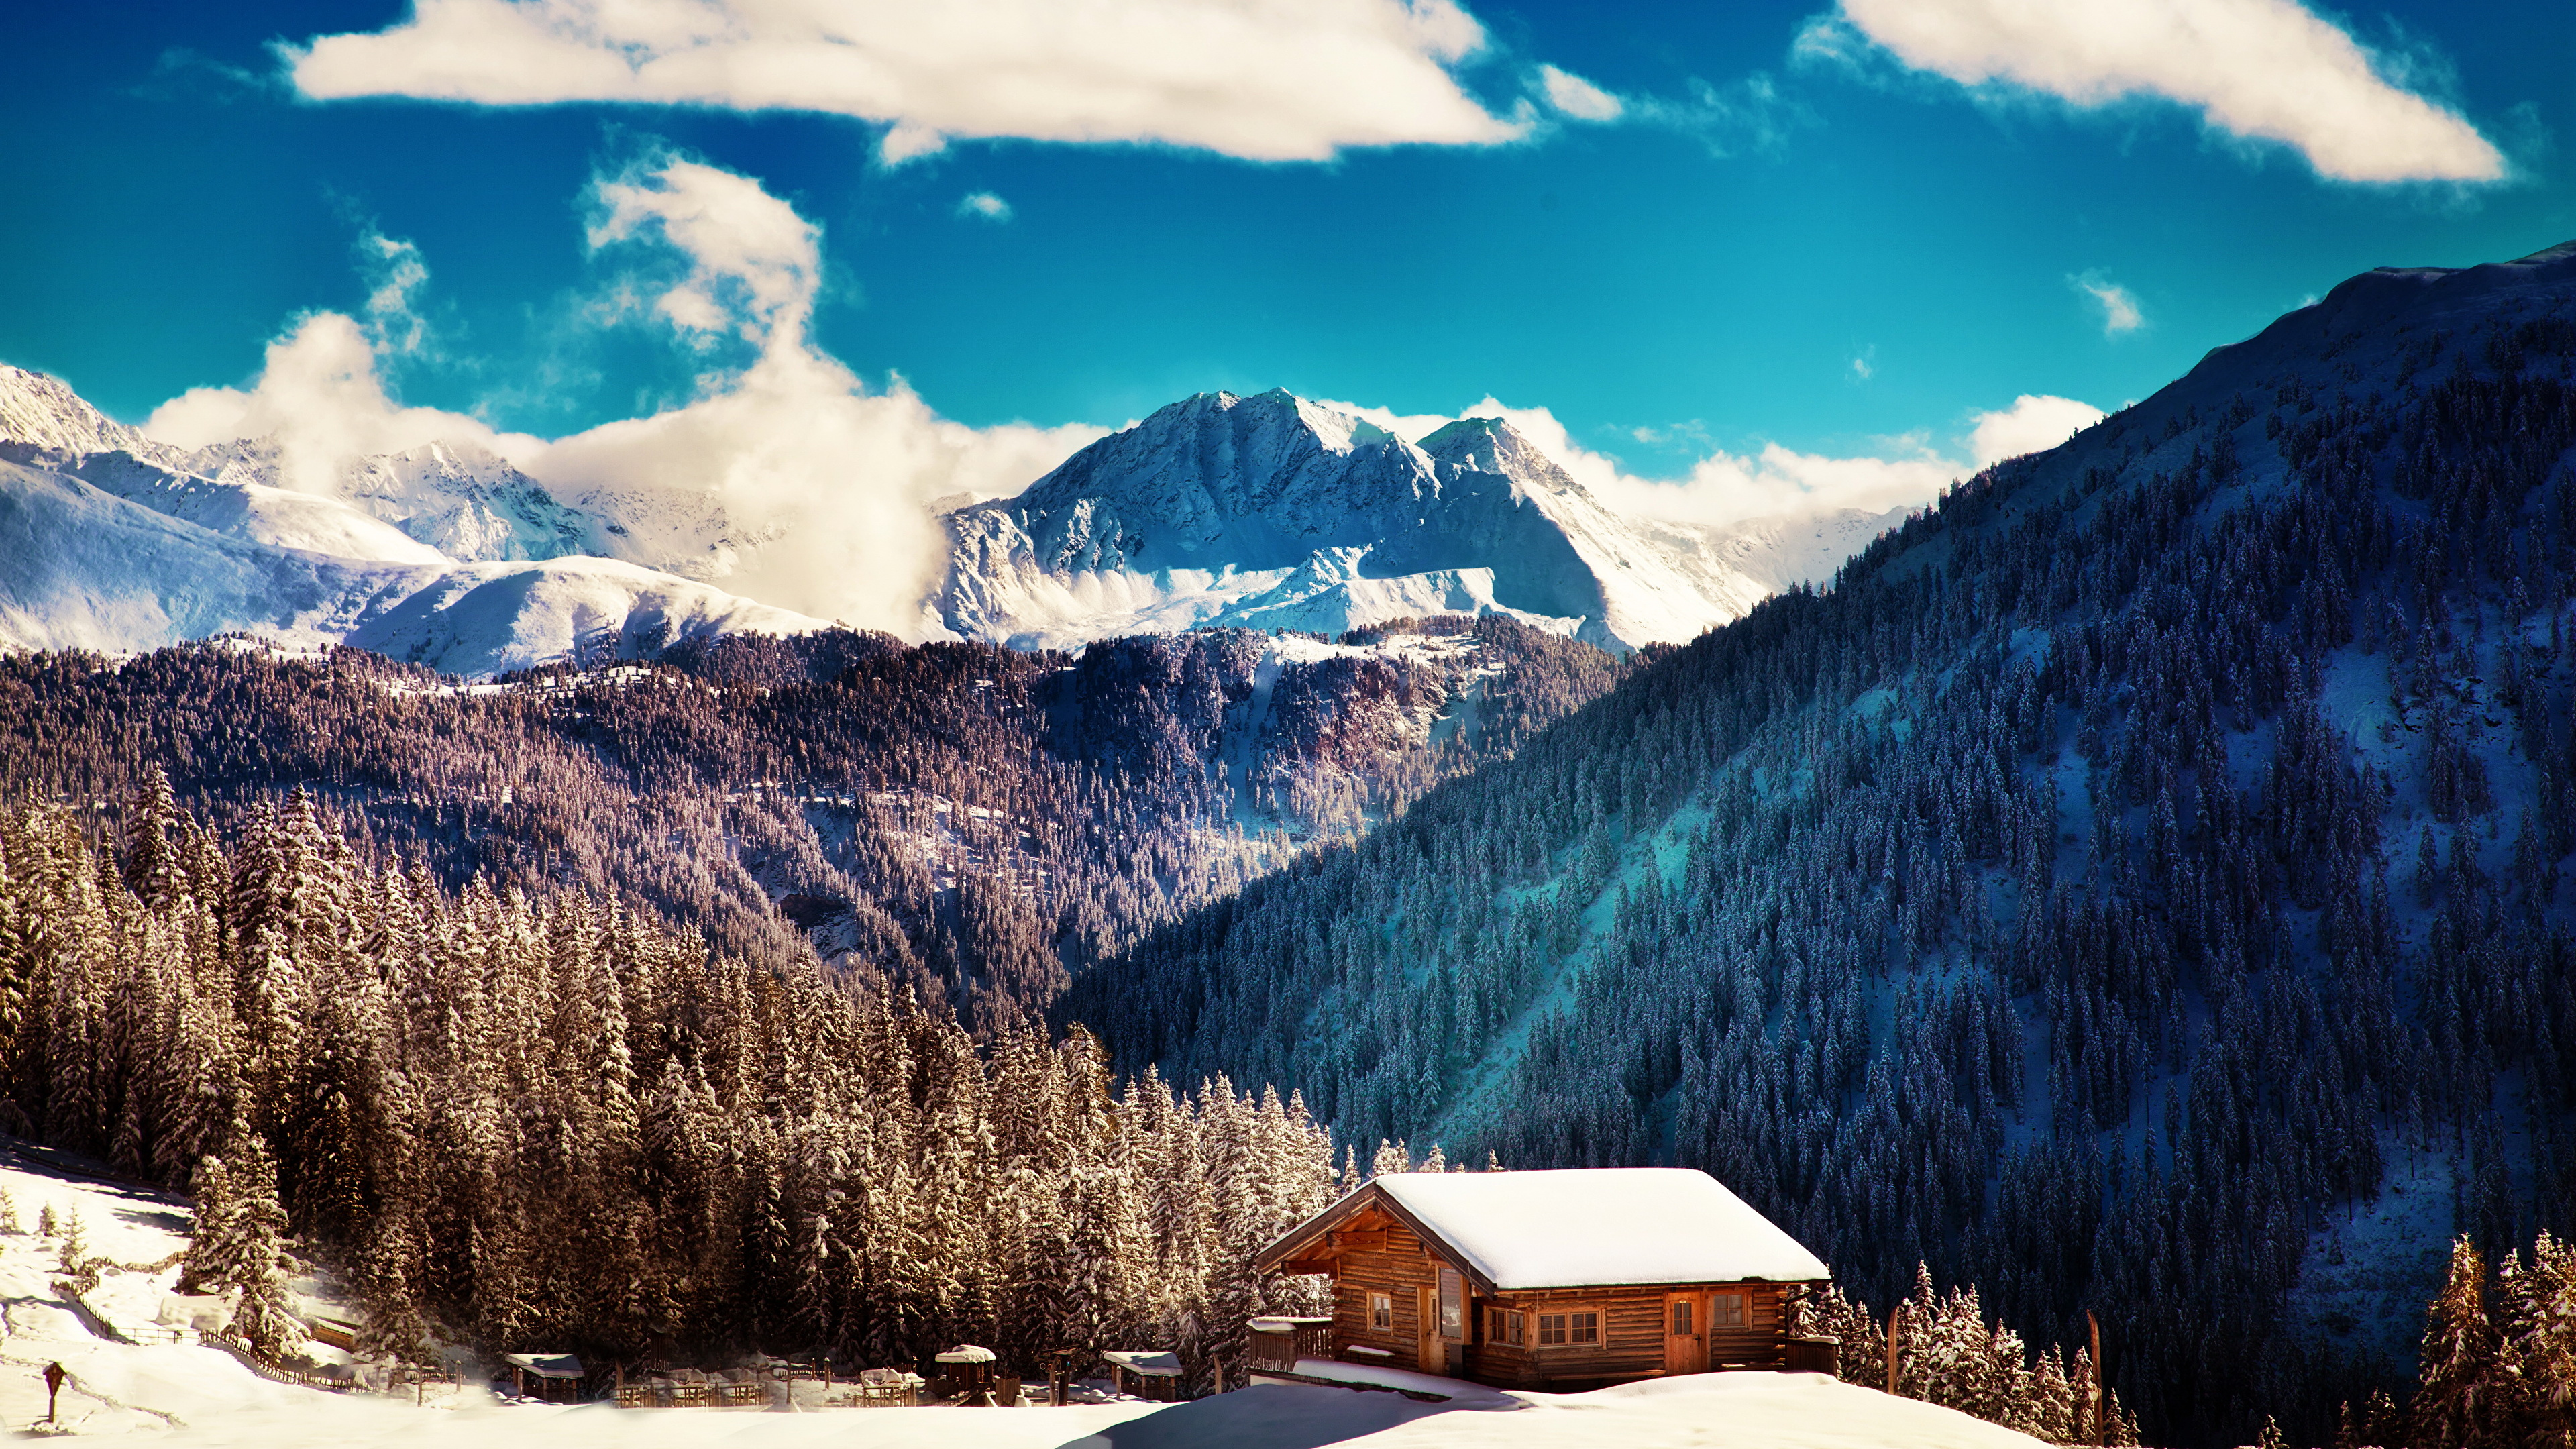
x: 1562, y: 1280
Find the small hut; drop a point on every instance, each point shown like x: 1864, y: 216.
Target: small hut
x: 1551, y: 1280
x: 1146, y: 1375
x: 968, y: 1368
x: 558, y: 1376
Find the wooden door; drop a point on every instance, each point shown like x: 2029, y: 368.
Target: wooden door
x: 1685, y: 1334
x: 1432, y: 1354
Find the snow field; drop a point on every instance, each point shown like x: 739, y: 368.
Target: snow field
x: 181, y: 1392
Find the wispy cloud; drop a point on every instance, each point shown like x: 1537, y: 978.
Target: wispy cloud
x: 1574, y: 96
x: 2258, y: 70
x: 984, y: 205
x: 395, y: 274
x: 1751, y: 113
x: 1247, y: 78
x: 2120, y: 311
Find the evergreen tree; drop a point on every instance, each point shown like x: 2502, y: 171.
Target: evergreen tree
x: 2455, y: 1408
x: 239, y: 1245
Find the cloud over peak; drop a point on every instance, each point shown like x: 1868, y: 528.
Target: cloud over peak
x: 2268, y: 70
x: 1256, y: 79
x: 825, y: 489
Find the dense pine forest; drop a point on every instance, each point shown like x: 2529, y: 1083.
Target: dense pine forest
x: 559, y: 1126
x: 2128, y: 883
x: 960, y: 820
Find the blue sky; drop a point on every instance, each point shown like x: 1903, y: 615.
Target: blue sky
x: 1842, y: 232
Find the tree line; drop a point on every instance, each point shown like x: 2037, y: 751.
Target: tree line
x: 557, y: 1125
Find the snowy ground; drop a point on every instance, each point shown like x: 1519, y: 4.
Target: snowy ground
x: 1743, y: 1411
x: 163, y: 1388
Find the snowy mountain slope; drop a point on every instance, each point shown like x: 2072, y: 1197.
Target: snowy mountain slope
x: 44, y: 424
x: 279, y: 517
x: 45, y: 413
x: 1256, y: 510
x: 81, y: 568
x: 442, y: 555
x: 457, y: 500
x: 484, y: 618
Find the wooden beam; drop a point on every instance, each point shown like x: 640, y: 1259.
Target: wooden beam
x: 1357, y: 1240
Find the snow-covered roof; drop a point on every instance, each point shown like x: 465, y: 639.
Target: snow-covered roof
x: 546, y: 1365
x: 1584, y: 1227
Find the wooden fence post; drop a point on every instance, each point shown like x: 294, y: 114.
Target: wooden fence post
x: 1894, y: 1384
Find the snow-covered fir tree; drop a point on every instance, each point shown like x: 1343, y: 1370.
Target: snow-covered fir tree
x: 547, y: 1123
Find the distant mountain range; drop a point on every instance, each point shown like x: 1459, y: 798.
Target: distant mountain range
x: 1269, y: 512
x: 1277, y: 512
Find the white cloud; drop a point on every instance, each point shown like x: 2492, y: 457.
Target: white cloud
x: 2120, y: 311
x: 986, y: 205
x: 1259, y: 79
x: 825, y: 488
x: 822, y: 489
x: 2266, y: 70
x: 1862, y: 369
x: 1574, y: 96
x: 754, y: 263
x: 320, y: 397
x: 2033, y: 424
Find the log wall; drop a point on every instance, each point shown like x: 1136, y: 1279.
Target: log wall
x: 1400, y: 1270
x: 1375, y: 1254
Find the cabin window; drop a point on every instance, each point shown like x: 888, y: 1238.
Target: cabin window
x: 1381, y: 1313
x: 1504, y: 1326
x: 1568, y: 1329
x: 1726, y: 1310
x: 1682, y: 1318
x: 1453, y: 1305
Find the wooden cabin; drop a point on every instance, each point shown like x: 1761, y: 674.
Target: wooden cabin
x: 1562, y: 1280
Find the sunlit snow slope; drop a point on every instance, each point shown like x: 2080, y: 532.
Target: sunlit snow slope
x: 444, y: 556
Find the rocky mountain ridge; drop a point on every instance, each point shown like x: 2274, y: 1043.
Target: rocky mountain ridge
x: 1275, y: 510
x: 1269, y: 512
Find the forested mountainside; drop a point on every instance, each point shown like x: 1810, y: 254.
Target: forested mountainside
x: 2135, y: 886
x: 557, y: 1126
x: 964, y: 820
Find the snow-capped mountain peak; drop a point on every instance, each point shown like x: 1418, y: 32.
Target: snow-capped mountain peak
x: 1229, y: 509
x: 443, y: 554
x: 42, y: 413
x: 1491, y: 445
